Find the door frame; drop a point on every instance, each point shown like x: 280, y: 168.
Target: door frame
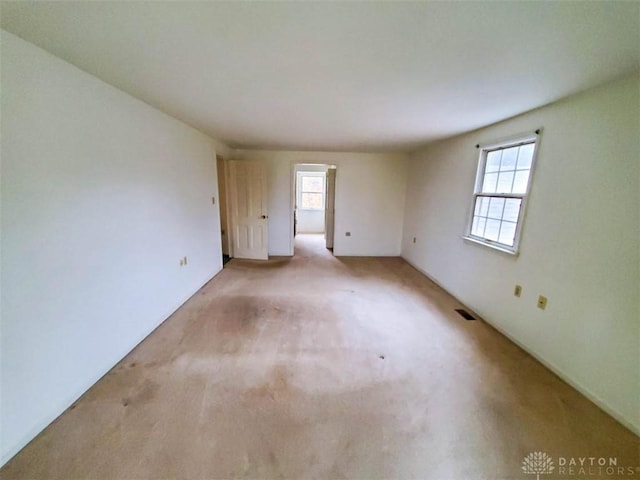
x: 330, y: 208
x: 227, y: 224
x: 293, y: 195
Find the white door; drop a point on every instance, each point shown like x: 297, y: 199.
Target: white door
x: 248, y: 186
x: 330, y: 207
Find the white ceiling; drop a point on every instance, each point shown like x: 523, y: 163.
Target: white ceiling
x: 338, y: 76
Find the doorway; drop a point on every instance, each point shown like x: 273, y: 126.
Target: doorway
x: 314, y: 201
x: 222, y: 204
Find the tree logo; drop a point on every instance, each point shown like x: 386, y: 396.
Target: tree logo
x: 537, y: 463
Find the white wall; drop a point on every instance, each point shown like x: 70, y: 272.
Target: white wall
x: 579, y: 243
x: 370, y: 191
x: 310, y: 221
x: 101, y: 196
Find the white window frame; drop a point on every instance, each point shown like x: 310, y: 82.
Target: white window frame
x: 299, y: 193
x: 522, y: 139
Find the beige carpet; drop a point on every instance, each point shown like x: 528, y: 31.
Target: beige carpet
x: 318, y: 367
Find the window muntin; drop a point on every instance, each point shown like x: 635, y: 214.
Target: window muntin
x: 502, y: 185
x: 311, y: 190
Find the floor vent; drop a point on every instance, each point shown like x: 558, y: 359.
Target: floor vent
x: 466, y: 315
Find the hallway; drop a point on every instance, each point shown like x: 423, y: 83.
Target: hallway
x: 321, y: 367
x: 310, y: 245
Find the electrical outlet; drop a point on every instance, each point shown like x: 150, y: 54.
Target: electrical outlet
x: 414, y: 239
x: 542, y: 302
x: 517, y: 291
x: 347, y: 234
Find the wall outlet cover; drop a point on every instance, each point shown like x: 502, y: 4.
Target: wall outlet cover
x: 542, y: 302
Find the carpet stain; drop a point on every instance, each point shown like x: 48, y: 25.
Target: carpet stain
x: 277, y: 387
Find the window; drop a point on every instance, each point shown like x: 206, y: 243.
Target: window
x: 311, y: 190
x: 500, y: 194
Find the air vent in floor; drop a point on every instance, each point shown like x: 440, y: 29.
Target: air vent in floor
x: 464, y: 314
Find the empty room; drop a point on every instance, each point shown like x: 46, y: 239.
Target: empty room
x: 319, y: 240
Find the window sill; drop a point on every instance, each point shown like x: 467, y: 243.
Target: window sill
x: 506, y: 250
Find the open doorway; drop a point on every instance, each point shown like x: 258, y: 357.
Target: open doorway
x: 222, y: 204
x: 314, y: 202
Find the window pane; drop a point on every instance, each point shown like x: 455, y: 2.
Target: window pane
x: 525, y: 156
x: 311, y: 200
x: 496, y: 205
x: 478, y: 226
x: 482, y: 206
x: 312, y: 184
x: 493, y: 161
x: 500, y: 226
x: 511, y: 209
x: 507, y: 233
x: 509, y: 157
x: 505, y: 181
x: 492, y: 230
x: 489, y: 184
x: 520, y: 181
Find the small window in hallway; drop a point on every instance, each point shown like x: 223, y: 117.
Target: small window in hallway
x: 311, y: 191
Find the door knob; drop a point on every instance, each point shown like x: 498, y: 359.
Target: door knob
x: 264, y: 216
